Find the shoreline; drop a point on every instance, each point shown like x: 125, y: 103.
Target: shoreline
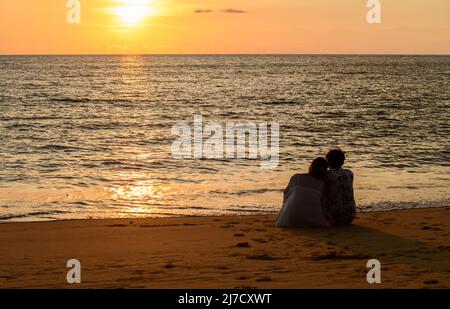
x: 436, y: 205
x: 412, y: 245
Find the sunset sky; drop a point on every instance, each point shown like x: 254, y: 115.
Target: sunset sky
x: 224, y: 26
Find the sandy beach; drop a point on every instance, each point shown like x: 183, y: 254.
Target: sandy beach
x: 413, y: 247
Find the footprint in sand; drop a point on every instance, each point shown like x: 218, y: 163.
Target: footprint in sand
x: 333, y: 255
x: 243, y: 245
x: 260, y: 240
x: 156, y: 272
x: 222, y: 268
x: 262, y: 257
x: 444, y: 248
x: 281, y: 271
x: 310, y: 244
x: 234, y: 255
x: 263, y: 279
x: 166, y: 225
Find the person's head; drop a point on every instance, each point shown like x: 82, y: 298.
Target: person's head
x: 318, y: 168
x: 335, y: 158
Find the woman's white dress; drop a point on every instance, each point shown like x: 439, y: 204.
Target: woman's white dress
x: 302, y: 205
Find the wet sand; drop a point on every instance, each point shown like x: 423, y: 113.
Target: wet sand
x: 413, y: 247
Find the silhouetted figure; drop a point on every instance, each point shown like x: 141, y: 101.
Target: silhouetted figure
x: 340, y: 206
x: 303, y: 198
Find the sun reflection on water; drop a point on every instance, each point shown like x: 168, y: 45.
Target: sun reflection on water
x: 139, y: 198
x: 138, y: 192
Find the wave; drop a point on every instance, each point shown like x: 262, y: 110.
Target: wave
x: 400, y: 205
x: 57, y: 147
x: 35, y: 118
x: 244, y: 192
x: 41, y: 214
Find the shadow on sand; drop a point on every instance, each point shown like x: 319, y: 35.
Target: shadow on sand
x: 390, y: 248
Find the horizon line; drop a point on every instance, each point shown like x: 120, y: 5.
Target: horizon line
x: 228, y: 54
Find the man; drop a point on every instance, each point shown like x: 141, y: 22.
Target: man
x: 340, y: 206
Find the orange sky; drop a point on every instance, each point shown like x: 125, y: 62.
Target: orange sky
x: 265, y: 26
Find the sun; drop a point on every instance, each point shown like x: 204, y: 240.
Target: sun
x: 132, y: 12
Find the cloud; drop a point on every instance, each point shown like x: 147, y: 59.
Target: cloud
x: 234, y: 11
x: 199, y: 11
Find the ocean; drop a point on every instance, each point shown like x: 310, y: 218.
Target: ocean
x: 90, y: 136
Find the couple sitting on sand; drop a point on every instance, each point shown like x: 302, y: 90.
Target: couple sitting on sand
x: 323, y: 197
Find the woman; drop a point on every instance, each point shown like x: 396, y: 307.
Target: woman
x: 303, y: 198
